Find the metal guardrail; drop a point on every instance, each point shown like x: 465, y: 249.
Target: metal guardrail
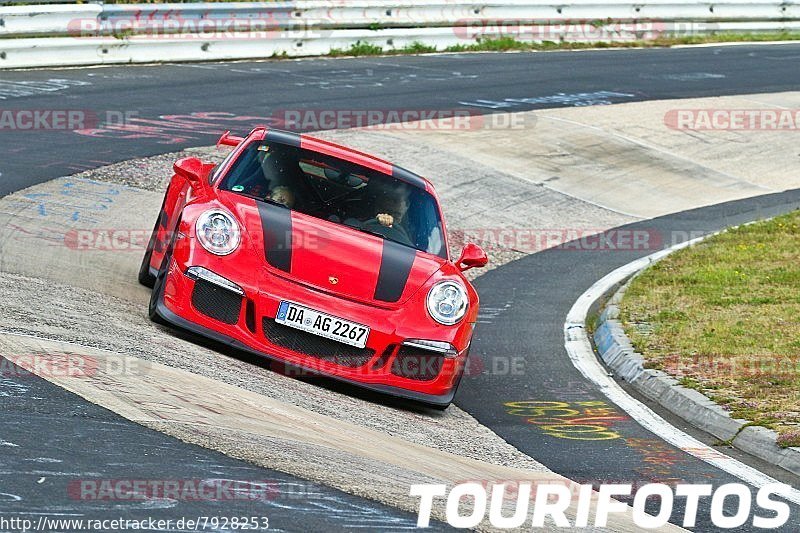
x: 111, y: 19
x: 81, y: 34
x: 12, y: 2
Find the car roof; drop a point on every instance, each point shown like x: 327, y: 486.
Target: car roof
x: 343, y: 152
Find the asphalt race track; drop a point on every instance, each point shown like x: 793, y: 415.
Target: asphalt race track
x: 524, y: 303
x: 259, y: 90
x: 62, y: 440
x: 527, y: 319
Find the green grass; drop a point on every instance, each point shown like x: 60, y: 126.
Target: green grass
x: 724, y: 318
x: 361, y: 48
x: 507, y: 44
x: 357, y: 49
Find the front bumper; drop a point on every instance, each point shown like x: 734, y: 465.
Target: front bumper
x: 250, y: 332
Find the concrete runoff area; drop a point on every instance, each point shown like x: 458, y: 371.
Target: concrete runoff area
x: 266, y: 432
x: 57, y: 290
x: 66, y: 461
x: 627, y: 159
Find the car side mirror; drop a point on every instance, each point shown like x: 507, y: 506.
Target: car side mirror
x: 472, y: 256
x: 192, y: 170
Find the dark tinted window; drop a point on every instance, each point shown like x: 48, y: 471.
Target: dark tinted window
x: 339, y: 191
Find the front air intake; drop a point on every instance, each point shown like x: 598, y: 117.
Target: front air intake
x: 416, y: 363
x: 216, y: 302
x: 315, y: 346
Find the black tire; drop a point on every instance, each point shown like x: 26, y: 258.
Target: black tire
x: 155, y: 297
x: 145, y: 277
x: 158, y: 284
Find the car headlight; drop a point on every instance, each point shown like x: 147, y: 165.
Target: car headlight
x: 218, y: 232
x: 447, y: 302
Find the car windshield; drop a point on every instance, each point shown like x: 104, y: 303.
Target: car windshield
x: 338, y: 191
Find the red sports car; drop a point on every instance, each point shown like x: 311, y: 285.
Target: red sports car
x: 322, y: 257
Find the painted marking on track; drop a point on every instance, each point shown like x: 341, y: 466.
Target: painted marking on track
x: 587, y: 421
x: 581, y: 353
x: 120, y: 76
x: 77, y: 200
x: 684, y: 76
x: 486, y: 315
x: 12, y: 389
x: 658, y: 460
x: 367, y: 78
x: 571, y: 391
x: 559, y: 99
x: 19, y: 89
x: 175, y: 129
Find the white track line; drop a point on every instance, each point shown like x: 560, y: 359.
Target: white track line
x: 580, y: 351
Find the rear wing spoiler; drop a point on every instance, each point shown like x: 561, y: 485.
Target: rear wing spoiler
x: 229, y: 140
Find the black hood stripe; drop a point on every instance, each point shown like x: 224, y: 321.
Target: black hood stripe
x: 276, y: 223
x: 396, y: 262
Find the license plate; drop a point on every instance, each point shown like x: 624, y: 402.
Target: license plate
x: 322, y: 324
